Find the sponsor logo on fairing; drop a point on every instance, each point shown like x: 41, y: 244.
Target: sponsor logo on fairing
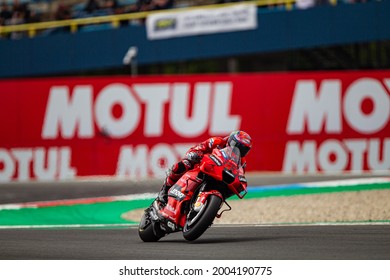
x: 211, y: 143
x: 242, y: 179
x: 176, y: 193
x: 216, y: 160
x: 229, y: 173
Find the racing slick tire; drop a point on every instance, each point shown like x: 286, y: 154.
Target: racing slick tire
x: 197, y: 224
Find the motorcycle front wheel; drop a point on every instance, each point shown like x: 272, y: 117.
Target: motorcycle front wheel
x: 198, y: 223
x: 146, y: 231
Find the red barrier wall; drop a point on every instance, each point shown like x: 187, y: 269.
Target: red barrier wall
x: 61, y: 128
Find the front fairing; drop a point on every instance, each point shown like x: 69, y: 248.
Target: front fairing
x: 225, y: 165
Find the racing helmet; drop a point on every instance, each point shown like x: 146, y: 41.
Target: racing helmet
x: 241, y: 140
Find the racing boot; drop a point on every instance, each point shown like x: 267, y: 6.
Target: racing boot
x: 163, y: 194
x: 173, y: 174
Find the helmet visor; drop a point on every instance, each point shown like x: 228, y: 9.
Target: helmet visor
x: 243, y: 149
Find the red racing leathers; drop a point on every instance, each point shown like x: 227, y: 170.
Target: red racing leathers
x: 194, y: 155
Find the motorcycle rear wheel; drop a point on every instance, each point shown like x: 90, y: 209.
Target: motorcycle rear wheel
x: 203, y: 220
x: 146, y: 231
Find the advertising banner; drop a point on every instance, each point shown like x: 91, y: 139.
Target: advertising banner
x: 201, y: 21
x: 301, y: 123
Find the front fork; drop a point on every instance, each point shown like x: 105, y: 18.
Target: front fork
x: 202, y: 198
x: 200, y: 203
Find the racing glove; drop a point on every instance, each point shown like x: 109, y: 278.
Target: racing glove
x: 194, y: 157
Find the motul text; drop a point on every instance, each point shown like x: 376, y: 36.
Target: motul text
x: 54, y: 129
x: 315, y: 112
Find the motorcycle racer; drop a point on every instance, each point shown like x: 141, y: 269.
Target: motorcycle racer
x: 239, y: 139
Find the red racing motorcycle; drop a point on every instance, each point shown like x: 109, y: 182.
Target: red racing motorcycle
x: 197, y: 197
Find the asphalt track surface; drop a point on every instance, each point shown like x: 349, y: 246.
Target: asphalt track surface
x: 249, y: 242
x: 241, y: 243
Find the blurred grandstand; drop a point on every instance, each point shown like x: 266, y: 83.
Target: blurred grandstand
x: 14, y: 12
x: 45, y: 10
x: 343, y: 45
x: 33, y: 11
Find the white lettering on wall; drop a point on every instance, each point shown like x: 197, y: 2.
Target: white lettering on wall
x: 39, y: 163
x: 326, y: 110
x: 356, y: 93
x: 23, y: 158
x: 376, y: 161
x: 117, y: 94
x: 139, y: 161
x: 67, y: 114
x: 132, y: 162
x: 181, y: 122
x: 323, y: 110
x: 300, y: 158
x: 75, y: 114
x: 155, y: 97
x: 221, y: 120
x: 315, y: 109
x: 162, y: 156
x: 358, y: 148
x: 333, y: 156
x: 7, y: 164
x: 45, y: 170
